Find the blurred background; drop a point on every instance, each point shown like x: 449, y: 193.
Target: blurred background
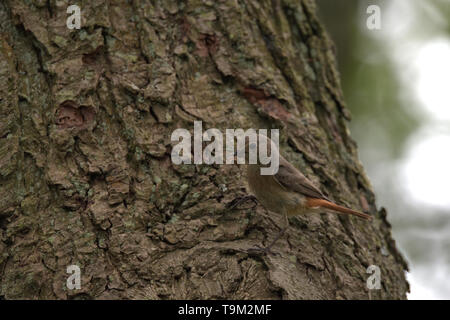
x: 396, y: 82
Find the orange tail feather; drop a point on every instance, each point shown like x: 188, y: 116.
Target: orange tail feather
x: 313, y: 203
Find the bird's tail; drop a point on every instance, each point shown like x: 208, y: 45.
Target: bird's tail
x: 314, y: 202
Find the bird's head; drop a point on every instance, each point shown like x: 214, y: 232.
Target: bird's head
x: 258, y: 150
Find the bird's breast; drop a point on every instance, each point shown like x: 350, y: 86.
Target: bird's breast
x: 271, y: 194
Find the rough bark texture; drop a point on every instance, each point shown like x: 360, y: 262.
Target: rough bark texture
x: 86, y: 176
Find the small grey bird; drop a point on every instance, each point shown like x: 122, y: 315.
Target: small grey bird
x: 289, y: 192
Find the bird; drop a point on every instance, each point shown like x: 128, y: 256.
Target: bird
x: 288, y: 192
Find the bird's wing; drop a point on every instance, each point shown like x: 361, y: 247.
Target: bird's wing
x: 293, y: 180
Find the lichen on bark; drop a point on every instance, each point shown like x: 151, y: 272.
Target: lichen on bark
x: 86, y: 176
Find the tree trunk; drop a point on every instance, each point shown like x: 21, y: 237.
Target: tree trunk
x: 86, y: 177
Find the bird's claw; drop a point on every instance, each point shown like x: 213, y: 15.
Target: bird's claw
x: 239, y: 200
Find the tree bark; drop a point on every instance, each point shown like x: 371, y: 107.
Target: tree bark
x: 86, y: 176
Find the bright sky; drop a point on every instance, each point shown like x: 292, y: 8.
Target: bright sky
x: 433, y: 81
x: 426, y: 169
x: 423, y: 66
x: 427, y: 164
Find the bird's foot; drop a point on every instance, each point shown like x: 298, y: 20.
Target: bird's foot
x: 258, y: 250
x: 240, y: 200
